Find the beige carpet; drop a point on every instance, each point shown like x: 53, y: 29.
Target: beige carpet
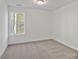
x: 48, y: 49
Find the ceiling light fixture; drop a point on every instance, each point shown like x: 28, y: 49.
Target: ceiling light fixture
x: 40, y: 2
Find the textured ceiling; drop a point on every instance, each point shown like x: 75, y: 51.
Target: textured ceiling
x: 50, y: 5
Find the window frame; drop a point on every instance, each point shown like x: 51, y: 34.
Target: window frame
x: 15, y: 16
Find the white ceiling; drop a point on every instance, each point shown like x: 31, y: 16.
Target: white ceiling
x: 50, y: 5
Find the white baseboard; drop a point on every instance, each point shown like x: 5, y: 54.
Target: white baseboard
x: 3, y: 51
x: 28, y: 41
x: 31, y: 40
x: 70, y: 46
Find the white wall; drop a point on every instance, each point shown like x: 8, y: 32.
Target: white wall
x: 37, y: 26
x: 3, y: 26
x: 64, y: 25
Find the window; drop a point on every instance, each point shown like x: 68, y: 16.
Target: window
x: 19, y: 26
x: 17, y: 23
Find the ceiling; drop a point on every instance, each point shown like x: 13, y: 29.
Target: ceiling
x: 50, y: 5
